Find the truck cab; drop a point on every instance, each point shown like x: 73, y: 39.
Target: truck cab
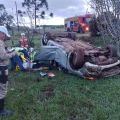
x: 78, y: 24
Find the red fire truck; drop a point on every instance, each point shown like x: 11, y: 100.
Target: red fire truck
x: 78, y: 24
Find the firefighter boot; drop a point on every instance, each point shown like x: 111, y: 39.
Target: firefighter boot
x: 4, y: 112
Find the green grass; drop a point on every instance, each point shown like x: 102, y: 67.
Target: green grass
x: 65, y: 97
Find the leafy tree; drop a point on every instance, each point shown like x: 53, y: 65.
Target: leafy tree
x: 108, y: 12
x: 5, y: 18
x: 33, y: 9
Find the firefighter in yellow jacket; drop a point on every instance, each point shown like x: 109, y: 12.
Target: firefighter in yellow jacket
x: 4, y: 61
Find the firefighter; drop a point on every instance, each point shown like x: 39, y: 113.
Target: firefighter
x: 5, y: 55
x: 24, y: 41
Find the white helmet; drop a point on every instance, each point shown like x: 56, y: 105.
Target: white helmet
x: 22, y: 34
x: 4, y: 30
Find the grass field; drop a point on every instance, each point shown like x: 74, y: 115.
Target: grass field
x: 65, y: 97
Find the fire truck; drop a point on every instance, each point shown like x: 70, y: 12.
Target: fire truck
x: 80, y: 24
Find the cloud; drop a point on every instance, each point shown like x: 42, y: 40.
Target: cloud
x: 67, y: 8
x: 10, y: 5
x: 61, y: 8
x: 53, y: 21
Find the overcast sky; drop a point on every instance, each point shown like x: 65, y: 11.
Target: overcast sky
x: 61, y: 9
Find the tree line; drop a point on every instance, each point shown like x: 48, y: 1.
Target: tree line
x: 33, y: 9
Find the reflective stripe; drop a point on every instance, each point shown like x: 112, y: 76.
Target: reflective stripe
x: 3, y: 68
x: 3, y: 90
x: 6, y: 72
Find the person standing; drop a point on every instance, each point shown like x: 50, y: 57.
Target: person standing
x: 4, y: 62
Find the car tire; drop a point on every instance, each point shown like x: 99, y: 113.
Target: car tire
x: 45, y: 38
x: 80, y: 30
x: 68, y: 29
x: 112, y: 50
x: 76, y: 59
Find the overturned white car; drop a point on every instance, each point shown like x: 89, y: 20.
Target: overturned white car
x: 78, y: 57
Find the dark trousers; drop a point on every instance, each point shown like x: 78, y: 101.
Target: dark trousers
x: 3, y: 85
x: 16, y: 60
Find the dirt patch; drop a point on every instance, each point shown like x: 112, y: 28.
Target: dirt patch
x: 88, y: 104
x: 76, y: 116
x: 47, y: 92
x: 73, y: 116
x: 39, y: 79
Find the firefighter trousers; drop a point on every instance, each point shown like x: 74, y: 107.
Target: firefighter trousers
x: 3, y: 81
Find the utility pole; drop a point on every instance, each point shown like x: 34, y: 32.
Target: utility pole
x: 17, y: 16
x: 35, y: 14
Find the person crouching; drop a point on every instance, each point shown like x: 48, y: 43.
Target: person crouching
x: 24, y: 41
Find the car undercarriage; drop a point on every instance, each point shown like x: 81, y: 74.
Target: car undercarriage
x: 79, y: 57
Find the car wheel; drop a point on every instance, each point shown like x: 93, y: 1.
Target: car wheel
x: 45, y: 38
x: 112, y: 50
x: 76, y: 59
x: 80, y: 30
